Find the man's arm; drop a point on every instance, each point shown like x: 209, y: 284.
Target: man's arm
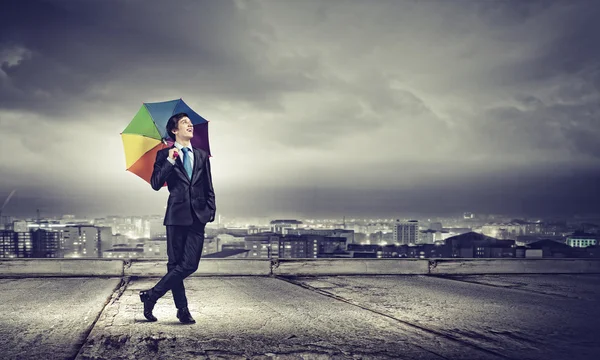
x: 208, y: 188
x: 162, y: 169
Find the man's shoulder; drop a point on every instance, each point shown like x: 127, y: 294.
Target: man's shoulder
x: 164, y: 152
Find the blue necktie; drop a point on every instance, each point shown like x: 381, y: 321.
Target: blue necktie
x: 187, y: 163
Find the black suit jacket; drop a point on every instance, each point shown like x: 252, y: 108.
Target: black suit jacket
x: 186, y: 195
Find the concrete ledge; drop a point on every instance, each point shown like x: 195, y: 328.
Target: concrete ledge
x: 61, y: 267
x: 207, y: 267
x: 514, y: 266
x: 298, y: 267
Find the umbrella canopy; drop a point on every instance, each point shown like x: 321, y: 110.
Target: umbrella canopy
x: 146, y: 134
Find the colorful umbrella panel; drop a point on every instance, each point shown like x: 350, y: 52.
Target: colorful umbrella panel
x: 146, y: 134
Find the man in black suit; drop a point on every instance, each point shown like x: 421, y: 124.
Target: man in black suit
x: 190, y: 206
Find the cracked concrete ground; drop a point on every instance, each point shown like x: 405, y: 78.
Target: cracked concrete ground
x: 517, y: 316
x: 45, y: 318
x: 326, y: 317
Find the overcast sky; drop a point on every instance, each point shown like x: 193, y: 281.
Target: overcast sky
x: 316, y: 108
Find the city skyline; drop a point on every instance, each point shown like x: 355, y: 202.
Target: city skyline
x: 316, y: 109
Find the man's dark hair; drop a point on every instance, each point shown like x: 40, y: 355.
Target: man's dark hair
x: 173, y: 122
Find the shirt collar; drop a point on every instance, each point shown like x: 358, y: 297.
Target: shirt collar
x: 179, y: 146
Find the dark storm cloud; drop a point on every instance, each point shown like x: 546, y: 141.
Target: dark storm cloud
x: 510, y: 13
x: 574, y: 50
x: 570, y: 51
x: 511, y: 191
x: 70, y: 51
x: 570, y: 128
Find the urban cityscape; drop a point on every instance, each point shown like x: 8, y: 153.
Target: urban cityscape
x: 467, y: 236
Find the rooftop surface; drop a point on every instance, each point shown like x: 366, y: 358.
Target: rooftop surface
x: 462, y: 316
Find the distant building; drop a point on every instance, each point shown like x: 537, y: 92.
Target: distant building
x: 230, y: 241
x: 252, y: 229
x: 582, y: 241
x: 528, y: 227
x: 421, y: 251
x: 155, y: 248
x: 475, y: 245
x: 211, y: 245
x: 392, y: 251
x: 504, y: 230
x: 82, y: 241
x: 427, y: 236
x: 47, y: 243
x: 555, y: 249
x: 240, y: 232
x: 520, y: 251
x: 157, y: 229
x: 272, y: 245
x: 53, y: 239
x: 343, y: 233
x: 105, y: 237
x: 524, y: 240
x: 263, y: 245
x: 310, y: 246
x: 554, y: 228
x: 5, y: 221
x: 298, y: 246
x: 20, y: 226
x: 363, y: 250
x: 15, y: 244
x: 330, y: 246
x: 278, y: 226
x: 406, y: 232
x: 454, y: 231
x: 428, y: 251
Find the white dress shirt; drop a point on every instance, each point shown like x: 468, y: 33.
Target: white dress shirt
x: 190, y: 154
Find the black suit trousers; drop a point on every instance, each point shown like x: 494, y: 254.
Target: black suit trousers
x: 184, y: 250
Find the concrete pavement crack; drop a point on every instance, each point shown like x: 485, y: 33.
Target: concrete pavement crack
x: 123, y: 286
x: 117, y: 291
x: 405, y: 322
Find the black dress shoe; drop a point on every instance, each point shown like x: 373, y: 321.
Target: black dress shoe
x: 148, y: 305
x: 184, y: 316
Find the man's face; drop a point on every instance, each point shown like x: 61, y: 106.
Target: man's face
x: 185, y: 129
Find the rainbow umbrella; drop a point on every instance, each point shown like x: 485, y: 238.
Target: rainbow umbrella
x: 146, y: 134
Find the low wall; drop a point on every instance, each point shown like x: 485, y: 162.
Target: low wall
x: 158, y: 268
x: 355, y: 266
x: 61, y: 267
x: 513, y: 266
x: 296, y: 267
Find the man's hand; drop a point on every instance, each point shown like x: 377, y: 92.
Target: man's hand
x: 173, y: 153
